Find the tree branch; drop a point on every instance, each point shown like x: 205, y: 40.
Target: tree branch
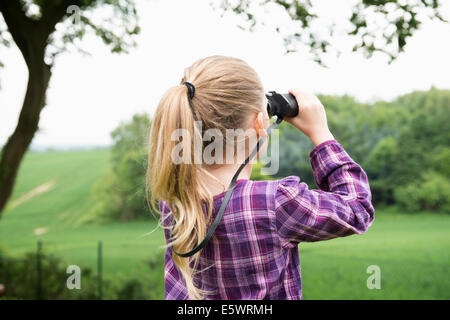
x: 19, y: 25
x: 53, y: 13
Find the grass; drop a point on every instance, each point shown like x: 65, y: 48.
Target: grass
x: 412, y: 251
x: 58, y: 210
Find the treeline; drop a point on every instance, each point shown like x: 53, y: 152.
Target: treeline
x: 403, y: 145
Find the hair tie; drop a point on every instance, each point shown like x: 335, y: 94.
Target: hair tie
x: 191, y: 89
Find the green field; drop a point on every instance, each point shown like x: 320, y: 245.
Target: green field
x: 412, y: 251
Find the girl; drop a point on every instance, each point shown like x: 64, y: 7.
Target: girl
x: 253, y: 253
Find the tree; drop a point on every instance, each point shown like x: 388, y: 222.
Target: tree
x: 425, y: 135
x: 120, y: 194
x: 31, y: 25
x: 377, y: 25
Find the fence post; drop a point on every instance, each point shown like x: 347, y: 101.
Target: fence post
x: 39, y: 270
x: 99, y: 268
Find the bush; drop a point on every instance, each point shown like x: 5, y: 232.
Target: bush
x: 436, y: 193
x: 120, y: 193
x: 442, y: 162
x: 408, y: 197
x: 148, y: 284
x: 433, y: 193
x: 19, y: 277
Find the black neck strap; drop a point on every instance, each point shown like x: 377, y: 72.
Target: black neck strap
x: 227, y: 196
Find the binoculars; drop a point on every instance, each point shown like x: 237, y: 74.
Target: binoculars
x: 281, y: 104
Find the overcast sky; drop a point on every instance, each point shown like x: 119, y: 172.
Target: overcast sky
x: 89, y: 96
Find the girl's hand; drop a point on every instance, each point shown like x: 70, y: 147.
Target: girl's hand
x: 311, y: 118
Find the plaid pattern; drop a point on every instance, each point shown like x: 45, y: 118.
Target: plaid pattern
x: 253, y: 253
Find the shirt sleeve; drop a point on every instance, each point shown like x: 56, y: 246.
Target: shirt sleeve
x: 340, y: 208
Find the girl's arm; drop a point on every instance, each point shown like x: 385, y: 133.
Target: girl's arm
x: 342, y: 206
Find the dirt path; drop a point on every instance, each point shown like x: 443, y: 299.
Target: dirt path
x: 33, y: 193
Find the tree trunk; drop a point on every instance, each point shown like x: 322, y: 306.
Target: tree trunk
x: 38, y: 78
x: 32, y: 38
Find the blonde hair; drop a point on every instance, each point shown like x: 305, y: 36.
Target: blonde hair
x: 227, y: 92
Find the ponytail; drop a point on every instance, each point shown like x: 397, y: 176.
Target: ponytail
x: 179, y: 184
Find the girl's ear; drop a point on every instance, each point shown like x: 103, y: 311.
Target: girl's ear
x: 259, y: 125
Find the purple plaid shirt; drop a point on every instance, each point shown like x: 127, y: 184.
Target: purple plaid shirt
x: 253, y: 253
